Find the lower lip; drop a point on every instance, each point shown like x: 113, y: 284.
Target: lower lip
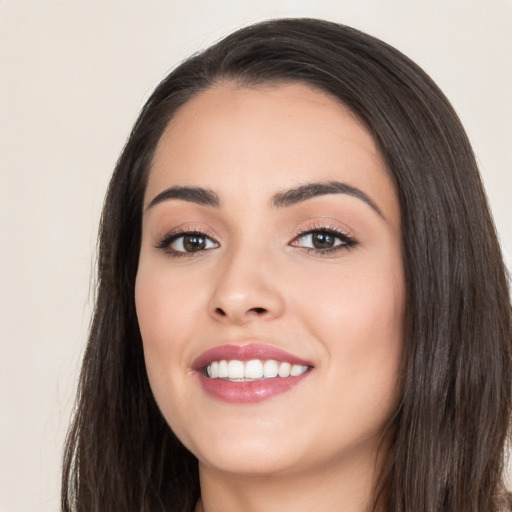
x: 249, y: 392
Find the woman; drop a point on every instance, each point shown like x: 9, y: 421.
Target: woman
x: 301, y: 301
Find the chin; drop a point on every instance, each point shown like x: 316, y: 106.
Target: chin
x: 246, y: 452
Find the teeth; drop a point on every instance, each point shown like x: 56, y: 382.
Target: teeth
x: 297, y: 369
x: 284, y: 369
x: 253, y: 369
x: 235, y: 369
x: 223, y: 369
x: 270, y: 369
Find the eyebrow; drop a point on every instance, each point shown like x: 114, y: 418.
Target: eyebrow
x: 311, y: 190
x: 207, y: 197
x: 196, y: 195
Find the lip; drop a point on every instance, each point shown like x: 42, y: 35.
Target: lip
x: 246, y: 352
x: 247, y: 392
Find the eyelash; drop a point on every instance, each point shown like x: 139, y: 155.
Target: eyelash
x: 346, y: 241
x: 171, y: 237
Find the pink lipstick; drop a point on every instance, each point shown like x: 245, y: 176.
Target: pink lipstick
x: 249, y: 373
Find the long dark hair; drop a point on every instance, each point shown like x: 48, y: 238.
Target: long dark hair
x: 451, y: 424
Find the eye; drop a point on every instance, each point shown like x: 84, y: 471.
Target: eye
x: 180, y: 244
x: 324, y: 241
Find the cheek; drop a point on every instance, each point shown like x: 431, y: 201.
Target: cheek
x: 363, y: 336
x: 358, y: 314
x: 357, y: 306
x: 166, y: 306
x: 168, y: 316
x: 167, y: 312
x: 368, y: 313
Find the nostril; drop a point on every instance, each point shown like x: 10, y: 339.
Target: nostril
x: 238, y: 315
x: 258, y: 311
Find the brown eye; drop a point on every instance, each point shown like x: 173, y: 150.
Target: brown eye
x: 192, y: 243
x: 188, y: 243
x: 322, y: 240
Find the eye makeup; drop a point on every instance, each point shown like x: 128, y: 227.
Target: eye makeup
x: 187, y: 240
x: 318, y: 238
x: 323, y: 240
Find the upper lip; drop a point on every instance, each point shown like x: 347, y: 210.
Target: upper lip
x: 246, y: 352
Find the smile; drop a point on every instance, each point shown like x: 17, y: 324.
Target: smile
x: 249, y: 373
x: 255, y: 369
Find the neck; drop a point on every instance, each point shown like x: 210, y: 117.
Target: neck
x: 348, y: 488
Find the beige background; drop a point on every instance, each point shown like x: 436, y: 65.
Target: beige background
x: 73, y: 76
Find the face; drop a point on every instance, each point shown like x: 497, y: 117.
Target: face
x: 270, y: 289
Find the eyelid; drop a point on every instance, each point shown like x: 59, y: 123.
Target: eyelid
x: 348, y: 241
x: 322, y: 226
x: 163, y: 242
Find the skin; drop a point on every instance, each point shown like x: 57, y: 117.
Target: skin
x: 259, y: 280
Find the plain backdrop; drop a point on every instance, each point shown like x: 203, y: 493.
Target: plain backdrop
x: 73, y: 76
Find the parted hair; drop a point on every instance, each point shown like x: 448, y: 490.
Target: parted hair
x: 451, y: 424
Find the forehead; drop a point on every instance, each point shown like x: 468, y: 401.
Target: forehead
x: 240, y: 140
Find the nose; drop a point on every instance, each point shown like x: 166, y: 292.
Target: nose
x: 247, y: 289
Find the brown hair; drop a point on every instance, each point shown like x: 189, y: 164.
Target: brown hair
x: 451, y: 424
